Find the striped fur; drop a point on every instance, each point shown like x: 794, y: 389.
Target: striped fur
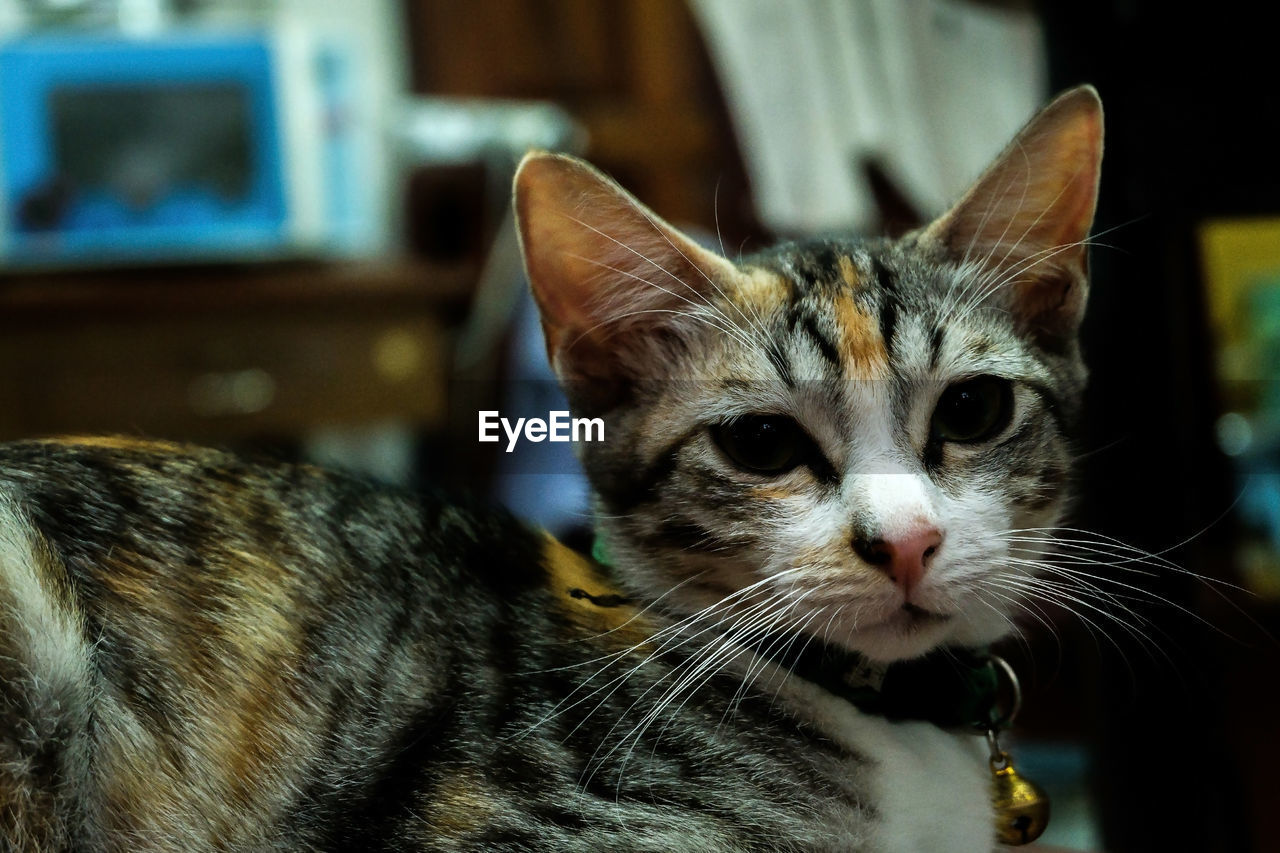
x: 200, y: 652
x: 275, y: 658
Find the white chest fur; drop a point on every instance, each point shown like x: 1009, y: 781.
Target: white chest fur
x: 931, y: 789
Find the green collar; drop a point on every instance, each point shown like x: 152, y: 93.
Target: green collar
x: 599, y: 553
x: 953, y: 687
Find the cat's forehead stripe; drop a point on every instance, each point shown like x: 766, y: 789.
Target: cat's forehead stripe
x: 861, y: 343
x: 808, y: 324
x: 824, y: 266
x: 848, y: 273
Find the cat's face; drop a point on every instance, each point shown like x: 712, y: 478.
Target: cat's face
x: 860, y: 440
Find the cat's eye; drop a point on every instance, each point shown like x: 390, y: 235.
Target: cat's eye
x: 973, y: 410
x: 762, y: 444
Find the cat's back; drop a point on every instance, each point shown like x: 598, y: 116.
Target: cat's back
x: 201, y: 651
x: 109, y: 508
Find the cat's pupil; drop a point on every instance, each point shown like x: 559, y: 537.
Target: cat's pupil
x: 974, y: 410
x: 763, y: 444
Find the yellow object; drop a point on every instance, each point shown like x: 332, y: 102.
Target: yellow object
x: 398, y: 355
x: 1236, y: 254
x: 590, y: 600
x: 1022, y: 808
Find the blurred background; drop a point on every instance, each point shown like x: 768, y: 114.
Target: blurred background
x: 282, y: 225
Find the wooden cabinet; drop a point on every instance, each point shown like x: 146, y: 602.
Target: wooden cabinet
x: 634, y: 74
x: 227, y: 353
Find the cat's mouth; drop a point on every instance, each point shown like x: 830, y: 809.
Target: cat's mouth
x: 914, y: 616
x: 901, y: 630
x: 917, y: 612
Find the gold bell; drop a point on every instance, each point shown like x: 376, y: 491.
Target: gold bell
x: 1022, y: 807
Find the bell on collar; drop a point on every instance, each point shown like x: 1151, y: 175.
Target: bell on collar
x: 1022, y: 808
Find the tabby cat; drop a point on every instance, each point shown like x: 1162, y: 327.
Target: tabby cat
x: 830, y: 457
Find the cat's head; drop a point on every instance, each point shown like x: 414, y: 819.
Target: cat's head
x: 861, y: 440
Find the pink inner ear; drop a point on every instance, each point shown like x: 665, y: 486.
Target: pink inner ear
x: 598, y: 260
x: 1027, y: 219
x: 1037, y: 200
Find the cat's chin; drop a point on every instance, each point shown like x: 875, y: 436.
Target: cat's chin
x: 901, y: 636
x: 913, y: 632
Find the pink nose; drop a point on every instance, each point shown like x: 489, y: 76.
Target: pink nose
x: 904, y: 557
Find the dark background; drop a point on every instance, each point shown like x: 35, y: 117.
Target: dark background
x: 1185, y: 748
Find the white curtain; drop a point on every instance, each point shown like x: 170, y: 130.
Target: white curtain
x: 930, y: 89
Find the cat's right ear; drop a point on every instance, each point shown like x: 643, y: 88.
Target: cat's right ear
x: 1026, y: 220
x: 609, y: 276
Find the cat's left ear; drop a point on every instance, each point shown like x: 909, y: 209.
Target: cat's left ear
x: 1026, y: 221
x: 611, y: 279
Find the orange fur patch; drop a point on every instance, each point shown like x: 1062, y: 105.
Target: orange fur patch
x: 762, y: 292
x: 259, y: 703
x: 116, y: 442
x: 772, y: 493
x: 847, y: 272
x: 460, y: 805
x: 239, y: 663
x: 861, y: 344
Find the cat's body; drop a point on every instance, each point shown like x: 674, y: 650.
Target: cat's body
x: 236, y: 687
x: 843, y: 445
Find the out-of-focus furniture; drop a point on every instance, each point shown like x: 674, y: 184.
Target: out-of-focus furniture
x: 633, y: 73
x: 227, y: 353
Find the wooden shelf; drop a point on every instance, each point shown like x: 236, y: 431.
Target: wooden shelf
x: 165, y: 290
x: 225, y: 353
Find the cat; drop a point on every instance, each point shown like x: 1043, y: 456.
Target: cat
x: 830, y: 457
